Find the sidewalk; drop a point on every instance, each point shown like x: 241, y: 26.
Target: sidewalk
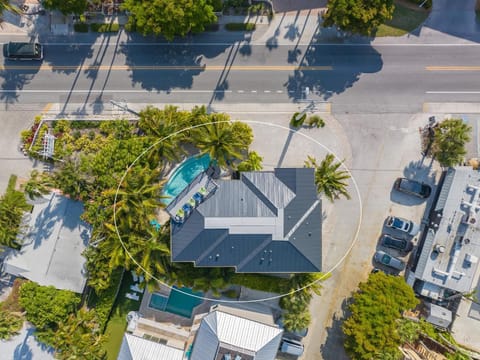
x: 295, y: 28
x: 122, y: 110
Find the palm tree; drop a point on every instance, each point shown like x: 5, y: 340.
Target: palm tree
x: 449, y: 141
x: 329, y: 180
x: 138, y: 197
x: 293, y: 321
x: 219, y: 141
x: 10, y: 324
x: 6, y: 6
x: 252, y: 163
x: 39, y: 184
x: 80, y: 337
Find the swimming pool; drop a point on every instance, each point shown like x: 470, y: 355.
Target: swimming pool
x: 177, y: 303
x: 183, y: 175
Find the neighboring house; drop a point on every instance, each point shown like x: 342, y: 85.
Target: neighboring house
x: 264, y: 222
x: 438, y: 316
x: 235, y: 334
x: 449, y: 260
x: 137, y: 348
x: 53, y: 239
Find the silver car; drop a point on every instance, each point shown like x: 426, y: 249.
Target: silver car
x: 388, y: 260
x: 402, y: 224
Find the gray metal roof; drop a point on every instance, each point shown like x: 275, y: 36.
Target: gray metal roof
x: 52, y: 245
x: 451, y: 251
x: 244, y: 219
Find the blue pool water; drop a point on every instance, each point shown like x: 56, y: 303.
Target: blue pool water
x: 177, y: 303
x: 183, y: 175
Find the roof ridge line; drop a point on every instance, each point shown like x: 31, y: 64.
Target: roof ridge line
x: 211, y: 247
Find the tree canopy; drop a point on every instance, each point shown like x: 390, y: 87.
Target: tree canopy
x: 371, y: 329
x: 66, y: 7
x: 46, y: 307
x: 358, y: 17
x: 169, y: 17
x: 450, y: 138
x: 329, y: 179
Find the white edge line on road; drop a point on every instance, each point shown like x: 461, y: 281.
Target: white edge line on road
x: 452, y: 92
x: 123, y: 43
x: 113, y: 91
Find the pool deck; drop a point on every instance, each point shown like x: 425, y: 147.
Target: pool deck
x: 202, y: 180
x: 166, y: 317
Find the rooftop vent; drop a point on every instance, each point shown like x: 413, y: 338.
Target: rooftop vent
x: 440, y: 248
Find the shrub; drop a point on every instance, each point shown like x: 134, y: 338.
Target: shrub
x: 80, y: 27
x: 240, y: 26
x: 83, y: 124
x: 212, y: 27
x: 217, y: 5
x: 261, y: 282
x: 297, y: 122
x: 315, y: 120
x: 111, y: 27
x: 231, y: 293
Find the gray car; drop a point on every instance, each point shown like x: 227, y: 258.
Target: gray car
x: 388, y: 260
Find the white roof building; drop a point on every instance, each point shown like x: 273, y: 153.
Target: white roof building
x: 222, y: 335
x: 53, y: 241
x: 449, y: 259
x: 137, y: 348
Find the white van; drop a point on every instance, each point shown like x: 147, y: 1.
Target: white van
x: 292, y: 347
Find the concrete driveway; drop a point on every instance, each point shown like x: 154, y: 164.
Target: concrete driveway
x: 453, y: 17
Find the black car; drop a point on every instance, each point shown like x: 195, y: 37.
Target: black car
x: 413, y: 187
x: 396, y: 243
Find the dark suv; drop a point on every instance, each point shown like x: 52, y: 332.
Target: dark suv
x: 412, y: 187
x: 396, y: 243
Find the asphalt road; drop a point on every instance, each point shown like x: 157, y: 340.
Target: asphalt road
x: 384, y: 78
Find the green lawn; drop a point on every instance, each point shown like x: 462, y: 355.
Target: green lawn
x: 404, y: 21
x: 118, y: 321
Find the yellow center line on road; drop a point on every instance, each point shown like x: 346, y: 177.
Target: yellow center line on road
x: 452, y: 68
x: 167, y: 67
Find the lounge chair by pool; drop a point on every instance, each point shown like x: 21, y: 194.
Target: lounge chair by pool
x: 203, y: 191
x: 192, y: 202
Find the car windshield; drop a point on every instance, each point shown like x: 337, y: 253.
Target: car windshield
x: 386, y: 259
x: 411, y: 186
x: 395, y: 242
x: 398, y: 223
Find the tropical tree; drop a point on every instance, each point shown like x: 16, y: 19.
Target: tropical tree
x: 10, y: 324
x: 219, y: 140
x: 374, y: 312
x: 39, y: 184
x: 6, y: 6
x: 45, y: 307
x: 70, y: 180
x: 66, y: 7
x: 164, y: 124
x: 169, y: 17
x: 296, y: 321
x: 408, y: 331
x: 80, y: 337
x: 329, y: 180
x: 12, y: 207
x: 358, y: 17
x: 252, y: 163
x: 450, y: 138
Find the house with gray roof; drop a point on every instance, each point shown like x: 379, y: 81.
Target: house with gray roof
x: 53, y: 239
x: 225, y: 335
x: 448, y: 263
x: 263, y: 222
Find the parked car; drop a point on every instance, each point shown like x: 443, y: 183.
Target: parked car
x: 412, y: 187
x: 388, y: 260
x: 291, y: 346
x: 396, y: 243
x: 402, y: 224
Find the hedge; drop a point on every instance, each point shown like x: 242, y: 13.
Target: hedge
x: 104, y: 27
x: 261, y: 282
x: 240, y: 26
x: 80, y: 27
